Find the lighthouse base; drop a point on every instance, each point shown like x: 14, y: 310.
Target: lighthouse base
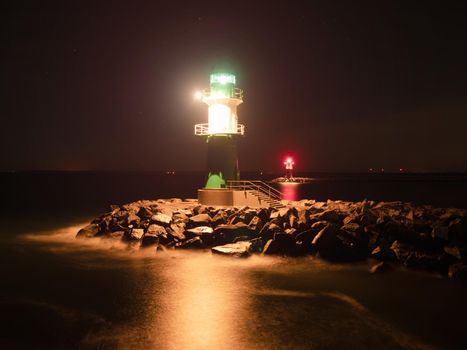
x: 226, y: 197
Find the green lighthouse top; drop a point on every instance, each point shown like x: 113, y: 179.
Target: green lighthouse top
x: 222, y: 84
x: 222, y: 79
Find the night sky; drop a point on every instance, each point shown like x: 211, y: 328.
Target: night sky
x: 342, y: 86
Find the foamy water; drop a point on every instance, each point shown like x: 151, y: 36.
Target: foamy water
x: 100, y: 293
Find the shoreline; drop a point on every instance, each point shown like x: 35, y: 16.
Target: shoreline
x: 419, y: 237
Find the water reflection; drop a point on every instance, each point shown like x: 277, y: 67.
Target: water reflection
x: 188, y: 300
x: 206, y: 301
x: 290, y: 191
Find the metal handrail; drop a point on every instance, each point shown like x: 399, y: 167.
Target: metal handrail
x: 236, y: 93
x: 203, y: 129
x: 256, y: 185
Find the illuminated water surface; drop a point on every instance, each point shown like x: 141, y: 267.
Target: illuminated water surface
x: 98, y: 294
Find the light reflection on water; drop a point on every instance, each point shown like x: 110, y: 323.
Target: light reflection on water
x: 193, y: 300
x: 290, y: 191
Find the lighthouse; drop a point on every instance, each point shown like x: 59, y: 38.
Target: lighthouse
x: 222, y: 131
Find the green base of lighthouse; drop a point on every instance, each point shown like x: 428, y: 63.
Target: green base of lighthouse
x: 222, y: 162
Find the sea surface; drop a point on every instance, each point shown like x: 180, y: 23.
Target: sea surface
x: 57, y: 292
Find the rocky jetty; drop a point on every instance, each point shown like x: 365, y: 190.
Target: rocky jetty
x: 420, y: 237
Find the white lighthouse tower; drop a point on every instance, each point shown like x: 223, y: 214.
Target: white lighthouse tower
x: 222, y: 130
x: 223, y: 186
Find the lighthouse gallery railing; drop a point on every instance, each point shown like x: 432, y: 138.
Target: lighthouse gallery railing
x: 203, y: 129
x: 256, y: 185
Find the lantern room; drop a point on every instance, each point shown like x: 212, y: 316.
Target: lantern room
x: 222, y: 98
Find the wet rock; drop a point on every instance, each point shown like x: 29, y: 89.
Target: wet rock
x: 198, y: 231
x: 219, y: 219
x: 458, y: 271
x: 400, y: 250
x: 426, y: 261
x: 453, y: 251
x: 149, y: 239
x: 274, y: 214
x: 380, y: 267
x: 327, y: 215
x: 440, y: 232
x: 458, y: 230
x: 199, y: 220
x: 283, y: 244
x: 179, y: 218
x: 417, y: 236
x: 326, y: 242
x: 304, y: 240
x: 238, y: 249
x: 144, y: 213
x: 383, y: 254
x: 115, y: 235
x: 136, y: 234
x: 193, y: 243
x: 227, y: 233
x: 352, y: 227
x: 257, y: 245
x: 337, y: 245
x: 186, y: 212
x: 89, y: 231
x: 177, y: 231
x: 255, y: 225
x: 161, y: 219
x: 350, y: 218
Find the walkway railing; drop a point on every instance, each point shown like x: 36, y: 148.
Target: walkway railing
x: 203, y: 129
x: 258, y: 186
x: 236, y: 93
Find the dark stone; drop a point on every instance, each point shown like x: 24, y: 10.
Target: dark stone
x: 255, y: 225
x: 154, y: 234
x: 458, y: 272
x: 161, y: 219
x: 326, y: 242
x: 227, y: 233
x: 380, y: 267
x: 219, y: 219
x: 422, y: 260
x: 330, y: 215
x: 336, y: 245
x: 135, y: 234
x: 132, y: 218
x: 177, y: 231
x: 401, y: 251
x: 257, y: 245
x: 440, y: 232
x: 453, y: 251
x: 352, y: 227
x: 350, y: 219
x: 179, y: 218
x: 383, y: 254
x: 149, y: 239
x: 115, y: 235
x: 239, y: 249
x: 144, y: 213
x: 198, y: 231
x: 282, y: 244
x: 199, y: 220
x: 319, y: 225
x: 193, y: 243
x: 89, y: 231
x: 458, y: 230
x: 304, y: 240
